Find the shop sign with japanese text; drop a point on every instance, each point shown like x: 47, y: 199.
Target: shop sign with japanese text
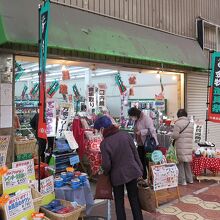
x: 20, y: 206
x: 214, y: 90
x: 29, y: 164
x: 15, y: 179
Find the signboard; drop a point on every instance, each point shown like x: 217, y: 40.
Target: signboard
x: 51, y: 118
x: 15, y: 179
x: 63, y: 121
x: 46, y: 189
x: 20, y: 206
x: 198, y: 133
x: 157, y: 156
x: 74, y: 160
x: 29, y: 164
x: 214, y: 91
x: 71, y: 140
x: 4, y: 143
x: 91, y: 97
x: 165, y: 176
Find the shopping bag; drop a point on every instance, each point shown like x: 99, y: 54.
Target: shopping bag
x: 103, y: 188
x: 171, y: 155
x: 146, y: 197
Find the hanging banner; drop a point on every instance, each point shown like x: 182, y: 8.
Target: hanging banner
x: 63, y: 121
x: 29, y: 164
x: 120, y: 83
x: 51, y: 118
x: 24, y: 91
x: 20, y: 206
x: 44, y: 14
x: 34, y: 90
x: 76, y: 92
x: 214, y: 90
x: 54, y: 87
x: 15, y: 179
x: 19, y: 71
x: 4, y: 143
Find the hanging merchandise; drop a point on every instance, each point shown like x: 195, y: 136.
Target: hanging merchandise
x: 34, y: 90
x: 19, y: 71
x: 76, y: 92
x: 63, y: 89
x: 24, y: 91
x: 214, y: 91
x: 132, y: 82
x: 54, y: 86
x: 120, y: 84
x: 65, y: 74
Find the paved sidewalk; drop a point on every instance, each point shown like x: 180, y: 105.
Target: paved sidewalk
x: 199, y: 201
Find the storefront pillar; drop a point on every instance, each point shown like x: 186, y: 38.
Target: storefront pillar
x: 7, y: 103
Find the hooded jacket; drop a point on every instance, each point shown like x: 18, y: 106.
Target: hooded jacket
x: 184, y: 140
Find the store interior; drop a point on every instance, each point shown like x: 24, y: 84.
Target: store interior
x: 147, y: 84
x: 93, y: 89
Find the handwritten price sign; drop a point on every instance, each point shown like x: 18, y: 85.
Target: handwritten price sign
x: 20, y: 206
x: 15, y: 179
x: 29, y: 164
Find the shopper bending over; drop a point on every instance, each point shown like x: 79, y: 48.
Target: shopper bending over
x: 120, y: 160
x: 143, y: 125
x: 183, y: 136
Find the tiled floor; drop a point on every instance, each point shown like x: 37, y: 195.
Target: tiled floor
x: 199, y: 201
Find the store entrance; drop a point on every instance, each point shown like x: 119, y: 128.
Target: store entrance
x: 88, y: 90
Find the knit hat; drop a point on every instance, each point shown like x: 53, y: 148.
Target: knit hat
x: 102, y: 122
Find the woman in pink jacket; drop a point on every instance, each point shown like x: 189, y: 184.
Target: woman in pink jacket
x: 143, y: 125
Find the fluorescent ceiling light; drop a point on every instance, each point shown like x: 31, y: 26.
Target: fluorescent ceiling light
x: 105, y: 73
x: 80, y: 70
x: 24, y: 79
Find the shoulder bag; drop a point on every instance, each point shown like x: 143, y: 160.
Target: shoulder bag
x: 150, y: 143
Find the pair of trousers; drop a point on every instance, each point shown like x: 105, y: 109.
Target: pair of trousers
x: 133, y: 200
x: 185, y: 172
x: 144, y: 161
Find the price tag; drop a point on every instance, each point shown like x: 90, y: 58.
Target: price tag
x: 157, y: 156
x: 74, y: 160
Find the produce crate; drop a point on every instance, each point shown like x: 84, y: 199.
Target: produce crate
x: 25, y: 146
x: 37, y: 199
x: 74, y: 215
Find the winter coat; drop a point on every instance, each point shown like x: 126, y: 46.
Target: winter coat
x: 144, y: 124
x: 183, y: 141
x: 120, y: 158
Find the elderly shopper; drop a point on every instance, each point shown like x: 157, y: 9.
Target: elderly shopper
x: 183, y: 138
x: 143, y: 125
x: 121, y: 162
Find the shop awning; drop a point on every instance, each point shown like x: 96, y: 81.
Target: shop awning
x: 89, y: 34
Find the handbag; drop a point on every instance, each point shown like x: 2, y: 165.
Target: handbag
x: 150, y: 143
x: 146, y: 197
x: 103, y: 188
x: 173, y: 143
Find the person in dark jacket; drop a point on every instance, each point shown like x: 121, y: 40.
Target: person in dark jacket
x: 120, y: 160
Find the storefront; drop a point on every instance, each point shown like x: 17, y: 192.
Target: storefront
x: 95, y: 65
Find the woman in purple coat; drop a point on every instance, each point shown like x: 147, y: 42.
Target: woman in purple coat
x: 121, y: 162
